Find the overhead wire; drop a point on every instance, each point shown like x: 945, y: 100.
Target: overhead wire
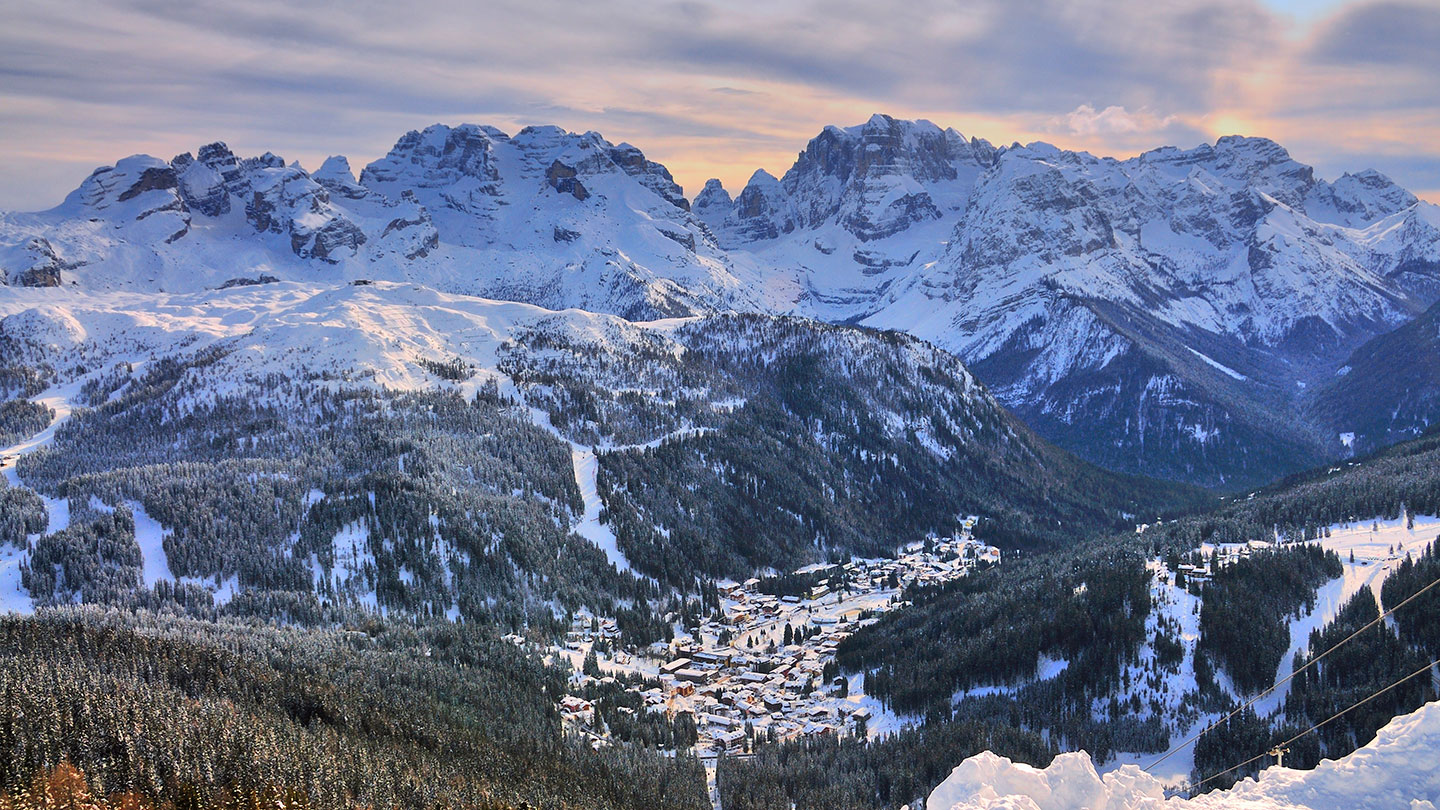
x: 1312, y: 662
x: 1329, y: 719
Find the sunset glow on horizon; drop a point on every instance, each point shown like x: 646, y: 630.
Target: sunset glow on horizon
x: 1344, y: 86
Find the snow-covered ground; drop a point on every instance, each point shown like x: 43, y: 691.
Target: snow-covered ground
x: 373, y: 334
x: 1178, y: 609
x: 150, y: 535
x: 590, y: 527
x: 13, y: 596
x: 1046, y: 668
x: 350, y: 551
x: 1399, y: 769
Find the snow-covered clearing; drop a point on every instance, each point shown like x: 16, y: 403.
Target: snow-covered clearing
x: 1218, y: 366
x: 56, y: 399
x: 1398, y: 769
x: 150, y: 535
x: 351, y: 551
x: 1378, y: 546
x: 1046, y: 668
x: 590, y: 527
x: 13, y: 596
x: 883, y: 721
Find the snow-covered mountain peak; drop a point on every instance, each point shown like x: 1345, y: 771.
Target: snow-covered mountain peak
x: 762, y: 178
x: 1038, y: 265
x: 475, y: 171
x: 336, y: 168
x: 872, y: 180
x: 1357, y: 200
x: 760, y: 211
x: 713, y: 203
x: 140, y: 191
x: 547, y: 216
x: 438, y: 156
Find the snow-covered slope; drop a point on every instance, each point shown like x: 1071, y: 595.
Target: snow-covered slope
x: 371, y: 334
x: 1397, y: 769
x: 547, y: 217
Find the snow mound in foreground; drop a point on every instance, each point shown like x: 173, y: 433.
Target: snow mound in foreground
x: 1399, y: 769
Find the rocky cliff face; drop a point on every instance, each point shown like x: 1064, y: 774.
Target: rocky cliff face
x: 873, y: 181
x: 199, y: 219
x: 561, y: 219
x: 45, y: 267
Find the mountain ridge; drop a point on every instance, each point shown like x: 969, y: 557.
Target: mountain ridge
x: 1154, y: 314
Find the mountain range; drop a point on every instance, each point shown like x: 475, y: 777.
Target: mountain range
x: 1187, y: 314
x: 331, y: 434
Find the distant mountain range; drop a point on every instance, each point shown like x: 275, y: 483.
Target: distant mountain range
x: 1216, y: 315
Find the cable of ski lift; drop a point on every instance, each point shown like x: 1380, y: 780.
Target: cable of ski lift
x: 1312, y: 662
x: 1284, y: 746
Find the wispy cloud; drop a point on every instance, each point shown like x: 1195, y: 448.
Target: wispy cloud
x: 709, y: 88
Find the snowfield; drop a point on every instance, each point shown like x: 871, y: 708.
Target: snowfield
x: 13, y: 596
x: 372, y: 334
x: 1399, y: 769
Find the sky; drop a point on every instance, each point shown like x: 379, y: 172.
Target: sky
x: 712, y: 89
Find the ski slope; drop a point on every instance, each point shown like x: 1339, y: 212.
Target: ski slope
x: 590, y: 527
x: 1378, y: 547
x: 13, y: 596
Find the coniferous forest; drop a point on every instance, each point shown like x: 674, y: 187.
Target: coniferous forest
x: 163, y: 711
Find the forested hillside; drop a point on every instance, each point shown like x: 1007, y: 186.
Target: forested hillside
x: 312, y: 499
x: 179, y: 713
x: 1388, y: 389
x: 305, y: 470
x: 752, y: 442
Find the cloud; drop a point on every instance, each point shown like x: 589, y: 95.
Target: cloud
x: 1397, y: 34
x: 1113, y: 120
x: 708, y: 87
